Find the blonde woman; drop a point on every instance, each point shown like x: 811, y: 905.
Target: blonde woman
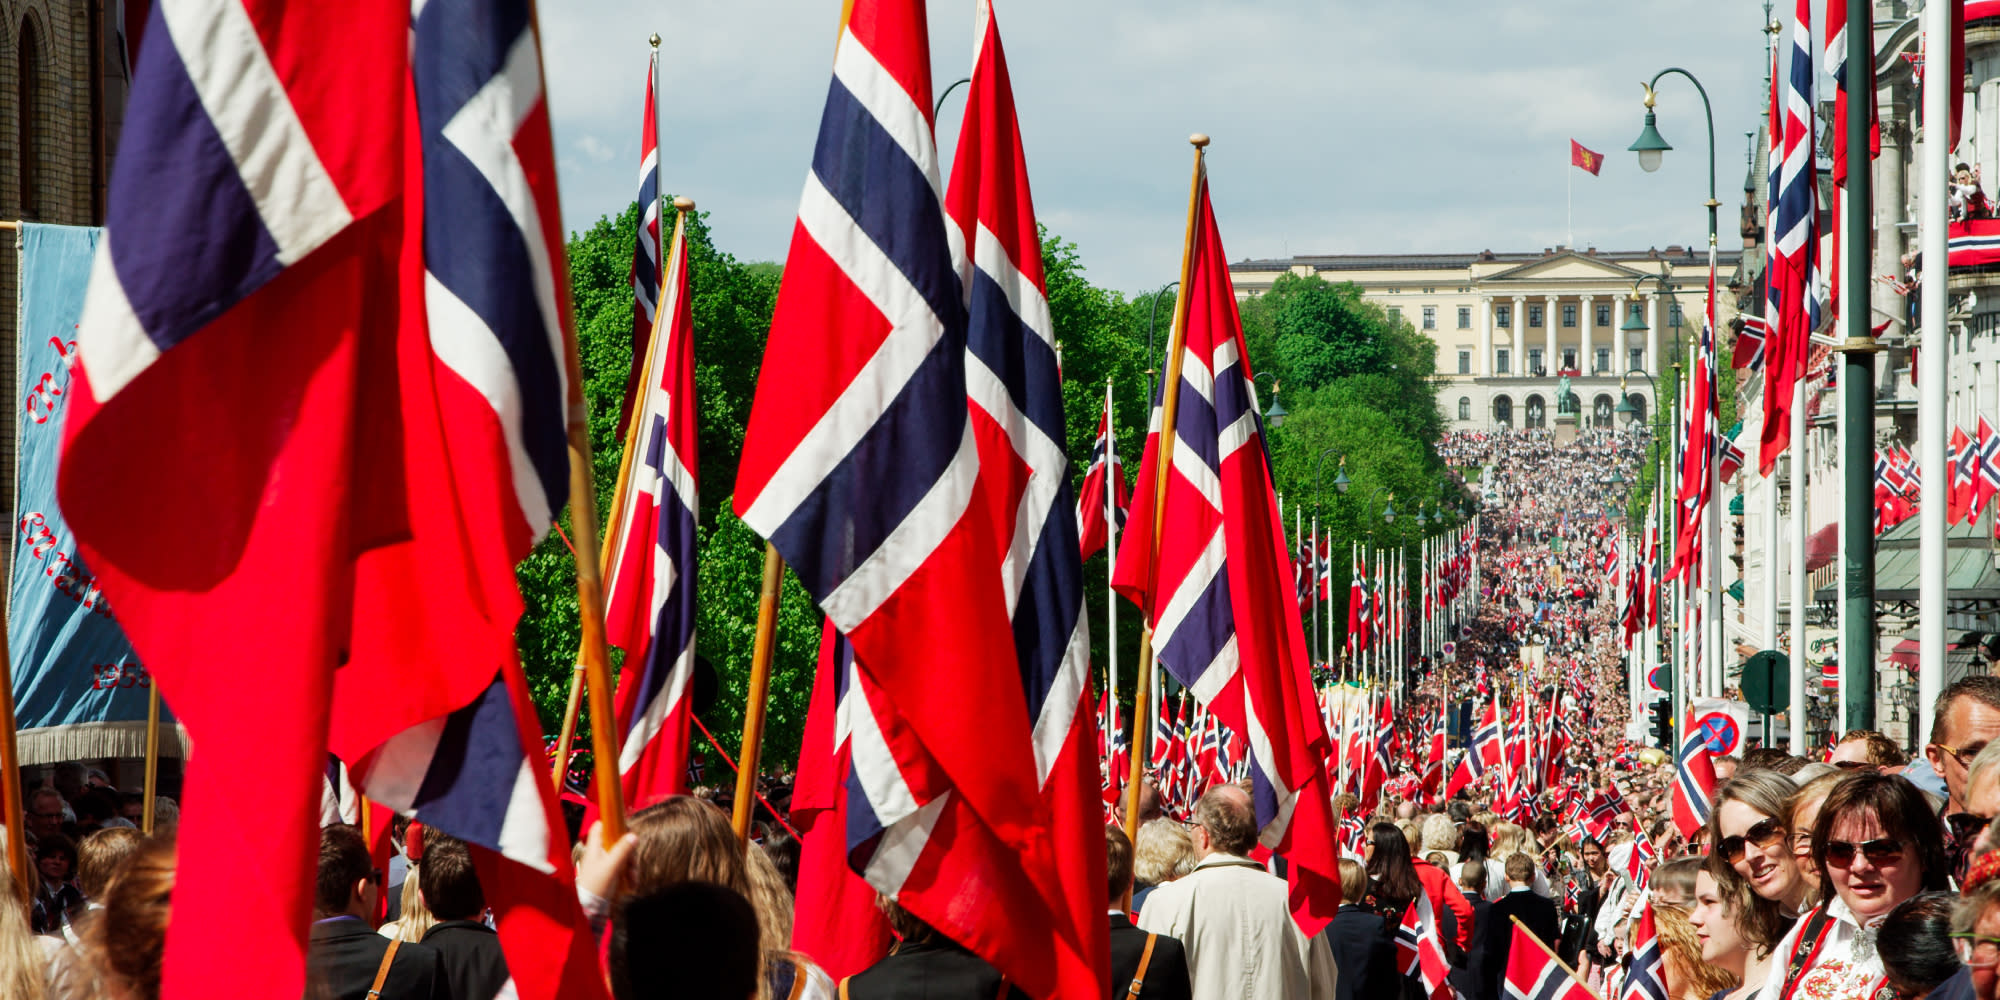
x: 1689, y: 977
x: 1163, y: 853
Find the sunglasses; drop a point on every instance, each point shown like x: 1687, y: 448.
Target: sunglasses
x: 1764, y: 834
x: 1840, y: 853
x: 1966, y: 827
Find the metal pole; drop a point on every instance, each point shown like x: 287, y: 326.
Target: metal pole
x: 1795, y: 716
x: 1934, y: 374
x: 1140, y: 733
x: 1857, y: 388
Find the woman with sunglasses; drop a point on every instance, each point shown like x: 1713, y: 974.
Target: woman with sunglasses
x: 1876, y: 843
x: 1803, y: 811
x: 1748, y: 830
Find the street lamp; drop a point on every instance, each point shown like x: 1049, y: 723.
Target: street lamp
x: 1274, y: 416
x: 1650, y: 143
x: 1341, y: 484
x: 1152, y: 317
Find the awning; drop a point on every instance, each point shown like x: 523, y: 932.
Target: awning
x: 1907, y: 652
x: 1969, y: 573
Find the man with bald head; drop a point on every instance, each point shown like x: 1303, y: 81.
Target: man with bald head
x: 1231, y: 915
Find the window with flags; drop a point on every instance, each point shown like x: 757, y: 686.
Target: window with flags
x: 1569, y: 359
x: 1465, y: 318
x: 1569, y: 314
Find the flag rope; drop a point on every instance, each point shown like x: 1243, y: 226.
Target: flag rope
x: 726, y: 759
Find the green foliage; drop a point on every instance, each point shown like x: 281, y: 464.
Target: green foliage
x: 1354, y: 382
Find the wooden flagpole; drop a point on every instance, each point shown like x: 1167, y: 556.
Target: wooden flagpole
x: 758, y: 696
x: 1163, y: 464
x: 152, y: 756
x: 1571, y: 973
x: 611, y: 539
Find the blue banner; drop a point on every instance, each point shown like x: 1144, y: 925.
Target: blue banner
x: 79, y: 691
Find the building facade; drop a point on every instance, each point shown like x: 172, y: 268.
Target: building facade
x: 1515, y: 330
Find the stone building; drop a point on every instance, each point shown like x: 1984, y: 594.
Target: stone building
x: 1513, y: 328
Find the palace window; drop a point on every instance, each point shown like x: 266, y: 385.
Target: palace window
x: 1500, y: 361
x: 1465, y: 317
x: 1535, y: 316
x: 1569, y: 314
x: 1603, y: 315
x: 1430, y: 317
x: 1465, y: 362
x: 1503, y: 315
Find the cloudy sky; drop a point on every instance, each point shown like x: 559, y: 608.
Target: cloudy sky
x: 1339, y: 127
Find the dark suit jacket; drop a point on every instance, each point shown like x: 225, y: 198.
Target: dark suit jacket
x: 937, y: 969
x: 344, y: 954
x: 474, y: 967
x: 1364, y: 953
x: 1469, y: 976
x: 1537, y: 913
x: 1166, y: 975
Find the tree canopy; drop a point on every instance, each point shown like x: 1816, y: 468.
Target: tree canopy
x: 1359, y: 388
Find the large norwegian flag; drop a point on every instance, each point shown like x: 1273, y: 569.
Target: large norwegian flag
x: 1698, y: 453
x: 341, y: 264
x: 862, y: 465
x: 1795, y: 241
x: 1102, y: 503
x: 1222, y: 622
x: 1694, y: 782
x: 1014, y: 381
x: 646, y: 266
x: 1986, y: 467
x: 649, y: 591
x: 1483, y: 752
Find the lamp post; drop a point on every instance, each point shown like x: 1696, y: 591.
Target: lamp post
x: 1651, y: 146
x: 1152, y: 317
x: 1275, y: 414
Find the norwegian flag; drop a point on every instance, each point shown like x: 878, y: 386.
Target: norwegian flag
x: 1534, y: 974
x: 1482, y: 753
x: 1164, y: 735
x: 835, y: 920
x: 1693, y: 495
x: 1014, y: 381
x: 1302, y: 569
x: 1958, y: 496
x: 1420, y: 947
x: 1794, y: 284
x: 1353, y: 835
x: 1836, y: 67
x: 1731, y: 453
x: 1646, y: 976
x: 1103, y: 489
x: 369, y: 326
x: 1323, y: 567
x: 649, y: 593
x: 646, y: 267
x: 1222, y: 624
x: 1986, y: 467
x: 1748, y: 353
x: 1357, y: 607
x: 1694, y: 782
x: 863, y: 464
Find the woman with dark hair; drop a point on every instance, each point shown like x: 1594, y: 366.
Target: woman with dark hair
x: 1876, y: 843
x: 1392, y: 877
x: 1917, y: 951
x: 1474, y: 844
x: 57, y: 899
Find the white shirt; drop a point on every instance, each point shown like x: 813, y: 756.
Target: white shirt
x: 1233, y: 922
x: 1847, y: 967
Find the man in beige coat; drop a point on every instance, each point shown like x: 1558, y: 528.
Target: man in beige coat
x: 1231, y: 915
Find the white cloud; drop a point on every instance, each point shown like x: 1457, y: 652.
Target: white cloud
x: 1437, y: 126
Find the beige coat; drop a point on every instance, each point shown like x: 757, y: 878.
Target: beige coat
x: 1233, y: 921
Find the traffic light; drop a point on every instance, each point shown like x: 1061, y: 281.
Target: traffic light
x: 1663, y: 724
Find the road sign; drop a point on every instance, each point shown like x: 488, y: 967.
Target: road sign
x: 1719, y: 731
x: 1766, y: 682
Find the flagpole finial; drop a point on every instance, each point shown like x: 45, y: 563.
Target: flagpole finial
x: 1198, y: 140
x: 683, y: 204
x: 654, y: 40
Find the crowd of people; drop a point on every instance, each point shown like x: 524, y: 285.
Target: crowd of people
x: 1860, y: 875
